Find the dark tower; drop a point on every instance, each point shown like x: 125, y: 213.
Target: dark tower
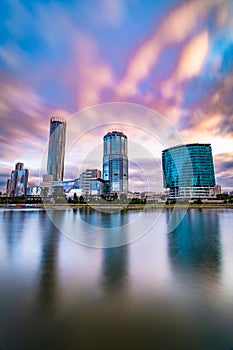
x: 56, y: 152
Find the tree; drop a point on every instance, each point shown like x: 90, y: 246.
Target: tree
x: 75, y: 199
x: 81, y: 200
x: 198, y: 201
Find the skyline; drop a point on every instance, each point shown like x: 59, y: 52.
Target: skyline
x: 175, y: 57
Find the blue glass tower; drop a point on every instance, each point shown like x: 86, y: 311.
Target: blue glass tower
x: 18, y: 181
x: 188, y: 170
x: 115, y: 161
x: 56, y: 152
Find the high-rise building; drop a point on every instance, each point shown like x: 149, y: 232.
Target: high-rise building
x: 188, y: 171
x: 18, y: 181
x: 46, y: 185
x: 19, y: 166
x: 89, y: 183
x: 56, y: 151
x: 8, y: 188
x: 115, y: 161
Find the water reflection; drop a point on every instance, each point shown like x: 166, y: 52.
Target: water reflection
x: 103, y: 219
x: 114, y: 270
x: 15, y: 229
x: 56, y: 294
x: 103, y: 229
x: 114, y: 260
x: 48, y: 263
x: 195, y: 244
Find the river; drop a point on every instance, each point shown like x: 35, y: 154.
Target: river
x: 164, y: 289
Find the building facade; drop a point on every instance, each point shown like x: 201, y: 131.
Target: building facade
x: 188, y: 171
x: 46, y: 185
x: 115, y: 161
x: 8, y: 188
x: 74, y: 189
x: 33, y: 191
x: 56, y: 151
x: 18, y: 182
x: 89, y: 183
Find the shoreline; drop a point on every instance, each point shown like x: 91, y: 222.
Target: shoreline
x: 117, y: 207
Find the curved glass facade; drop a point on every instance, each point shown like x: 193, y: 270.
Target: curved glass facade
x: 56, y: 152
x: 115, y: 161
x: 188, y: 170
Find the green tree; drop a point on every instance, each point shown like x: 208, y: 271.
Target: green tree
x: 75, y: 199
x: 81, y: 200
x: 198, y: 201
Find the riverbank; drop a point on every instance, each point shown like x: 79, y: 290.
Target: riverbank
x: 117, y: 207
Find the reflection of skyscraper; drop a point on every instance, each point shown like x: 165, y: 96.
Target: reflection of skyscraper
x: 115, y: 161
x: 195, y: 243
x: 48, y: 262
x: 56, y: 152
x: 115, y: 269
x: 18, y: 181
x: 188, y: 170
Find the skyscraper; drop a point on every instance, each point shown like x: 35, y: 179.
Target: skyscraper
x: 18, y: 181
x: 115, y: 161
x: 188, y: 170
x: 56, y: 151
x: 8, y: 188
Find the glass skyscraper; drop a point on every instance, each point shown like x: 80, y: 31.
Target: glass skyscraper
x: 18, y: 181
x: 115, y: 161
x: 188, y: 170
x: 56, y: 151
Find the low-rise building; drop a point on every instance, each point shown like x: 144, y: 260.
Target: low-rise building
x: 89, y: 182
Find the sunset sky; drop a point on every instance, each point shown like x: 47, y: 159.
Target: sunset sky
x: 60, y: 57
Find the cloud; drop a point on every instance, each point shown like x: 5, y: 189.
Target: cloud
x: 93, y: 76
x: 83, y: 72
x: 24, y: 121
x: 224, y: 170
x: 8, y: 57
x: 110, y: 12
x: 172, y: 30
x: 192, y: 57
x: 65, y: 70
x: 214, y: 113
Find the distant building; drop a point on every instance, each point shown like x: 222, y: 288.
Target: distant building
x: 56, y: 151
x: 188, y: 171
x: 33, y: 191
x: 66, y: 185
x: 89, y: 183
x: 75, y: 189
x: 18, y: 181
x: 46, y: 185
x: 115, y: 161
x: 8, y: 188
x: 217, y: 190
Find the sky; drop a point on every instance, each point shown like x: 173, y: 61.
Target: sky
x: 61, y: 58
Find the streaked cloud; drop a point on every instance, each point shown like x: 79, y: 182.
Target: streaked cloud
x: 192, y: 57
x: 174, y: 29
x: 224, y: 169
x: 59, y: 57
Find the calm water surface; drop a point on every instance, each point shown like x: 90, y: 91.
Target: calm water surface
x: 163, y: 291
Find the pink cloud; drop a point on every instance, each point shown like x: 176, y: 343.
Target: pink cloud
x: 176, y: 27
x: 92, y: 74
x: 192, y: 57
